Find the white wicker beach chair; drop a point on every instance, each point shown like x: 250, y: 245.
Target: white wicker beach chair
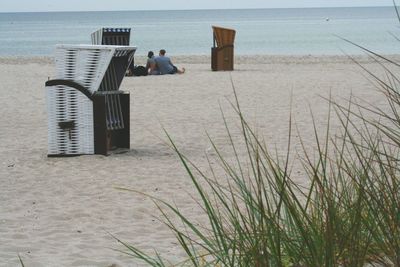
x: 87, y: 113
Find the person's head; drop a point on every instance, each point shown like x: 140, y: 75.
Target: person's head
x: 150, y: 54
x: 162, y: 52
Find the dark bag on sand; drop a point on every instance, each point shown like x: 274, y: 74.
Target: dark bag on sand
x: 139, y: 71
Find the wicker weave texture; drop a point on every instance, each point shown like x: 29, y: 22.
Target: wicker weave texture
x: 66, y: 104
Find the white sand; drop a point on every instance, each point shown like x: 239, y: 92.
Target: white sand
x: 60, y: 211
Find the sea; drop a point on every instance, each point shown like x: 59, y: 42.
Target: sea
x: 298, y: 31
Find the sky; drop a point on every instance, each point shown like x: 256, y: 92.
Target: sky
x: 100, y: 5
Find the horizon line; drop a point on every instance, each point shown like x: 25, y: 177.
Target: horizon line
x: 199, y: 9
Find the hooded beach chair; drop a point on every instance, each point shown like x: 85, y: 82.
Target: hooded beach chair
x: 87, y: 113
x: 113, y: 36
x: 222, y: 50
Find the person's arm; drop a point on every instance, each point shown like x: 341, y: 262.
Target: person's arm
x: 153, y: 66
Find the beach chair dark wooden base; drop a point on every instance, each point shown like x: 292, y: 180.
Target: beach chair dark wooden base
x: 106, y: 140
x: 222, y: 58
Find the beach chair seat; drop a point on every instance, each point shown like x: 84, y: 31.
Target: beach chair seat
x: 87, y: 113
x: 222, y: 52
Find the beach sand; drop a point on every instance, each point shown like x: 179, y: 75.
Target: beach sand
x: 61, y: 211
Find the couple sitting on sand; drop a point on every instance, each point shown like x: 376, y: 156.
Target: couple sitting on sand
x: 161, y: 65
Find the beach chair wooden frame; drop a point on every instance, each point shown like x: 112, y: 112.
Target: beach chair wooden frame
x: 87, y: 113
x: 222, y: 52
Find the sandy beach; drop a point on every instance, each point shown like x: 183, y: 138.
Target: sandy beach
x: 61, y: 211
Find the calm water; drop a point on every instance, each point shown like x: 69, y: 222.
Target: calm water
x: 259, y: 31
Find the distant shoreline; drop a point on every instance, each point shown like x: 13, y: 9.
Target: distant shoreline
x: 239, y: 59
x: 199, y: 9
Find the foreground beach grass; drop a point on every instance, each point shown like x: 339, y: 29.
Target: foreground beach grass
x: 348, y: 215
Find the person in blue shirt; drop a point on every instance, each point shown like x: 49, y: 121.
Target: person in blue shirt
x: 165, y: 65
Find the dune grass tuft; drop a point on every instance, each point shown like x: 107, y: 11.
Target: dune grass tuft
x: 348, y: 215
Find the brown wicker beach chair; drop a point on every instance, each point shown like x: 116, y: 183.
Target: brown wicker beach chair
x: 222, y: 50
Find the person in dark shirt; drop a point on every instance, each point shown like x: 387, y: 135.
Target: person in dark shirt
x: 151, y: 65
